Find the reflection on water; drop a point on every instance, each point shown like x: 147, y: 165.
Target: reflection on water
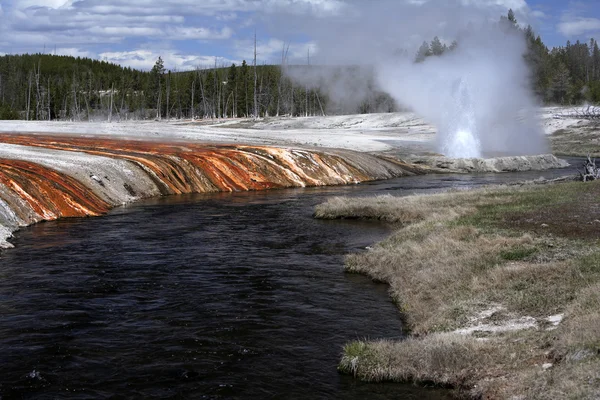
x: 213, y: 296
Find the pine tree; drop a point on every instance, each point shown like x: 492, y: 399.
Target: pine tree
x: 511, y: 17
x: 230, y: 104
x: 509, y: 20
x: 156, y: 73
x: 595, y: 61
x: 423, y: 53
x: 243, y: 90
x: 561, y: 85
x: 437, y: 49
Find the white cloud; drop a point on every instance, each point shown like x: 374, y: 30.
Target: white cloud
x: 516, y: 5
x: 173, y: 60
x: 22, y: 4
x: 226, y: 17
x: 72, y: 51
x: 539, y: 14
x: 124, y: 31
x: 28, y: 25
x: 270, y: 51
x: 189, y: 33
x: 578, y: 26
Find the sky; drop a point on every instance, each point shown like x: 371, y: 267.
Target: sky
x: 197, y: 33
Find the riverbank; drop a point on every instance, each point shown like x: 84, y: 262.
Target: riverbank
x: 499, y: 288
x: 46, y: 177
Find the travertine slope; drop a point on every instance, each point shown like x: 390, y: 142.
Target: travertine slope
x: 45, y: 177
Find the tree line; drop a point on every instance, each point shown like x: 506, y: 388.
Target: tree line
x: 49, y: 87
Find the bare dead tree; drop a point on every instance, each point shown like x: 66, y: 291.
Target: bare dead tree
x: 202, y: 93
x: 168, y: 93
x: 234, y: 110
x: 590, y: 172
x: 319, y: 101
x: 112, y: 89
x: 284, y: 53
x: 306, y: 86
x: 176, y: 82
x: 37, y: 87
x: 64, y: 107
x: 192, y: 105
x: 588, y: 112
x: 215, y: 97
x: 28, y: 95
x: 158, y: 102
x: 75, y: 105
x: 124, y: 90
x: 48, y: 89
x: 255, y: 80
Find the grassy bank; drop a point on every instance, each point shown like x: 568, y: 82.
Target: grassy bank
x: 499, y: 287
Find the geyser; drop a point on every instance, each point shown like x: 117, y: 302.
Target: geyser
x: 478, y: 95
x: 459, y: 139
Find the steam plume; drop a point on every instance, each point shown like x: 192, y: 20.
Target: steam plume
x: 478, y: 96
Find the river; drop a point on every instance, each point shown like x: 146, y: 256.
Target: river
x: 215, y: 296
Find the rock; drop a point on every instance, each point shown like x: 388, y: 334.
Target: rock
x: 546, y: 366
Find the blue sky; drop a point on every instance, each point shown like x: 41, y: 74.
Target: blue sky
x: 190, y: 33
x: 558, y: 21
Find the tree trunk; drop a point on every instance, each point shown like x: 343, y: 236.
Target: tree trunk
x: 590, y: 172
x: 49, y: 111
x: 158, y: 105
x: 255, y: 80
x: 37, y: 95
x: 192, y: 106
x: 168, y: 95
x: 111, y: 103
x: 29, y: 96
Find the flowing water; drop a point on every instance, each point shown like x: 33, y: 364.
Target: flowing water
x: 207, y: 296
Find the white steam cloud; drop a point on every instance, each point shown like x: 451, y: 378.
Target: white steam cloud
x: 478, y: 96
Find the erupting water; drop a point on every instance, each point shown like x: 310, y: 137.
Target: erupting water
x: 462, y: 144
x: 458, y: 135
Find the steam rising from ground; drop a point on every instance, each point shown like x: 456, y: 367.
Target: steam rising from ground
x: 478, y: 95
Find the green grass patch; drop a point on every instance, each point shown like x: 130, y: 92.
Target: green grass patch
x: 518, y: 253
x: 512, y: 202
x: 356, y: 354
x: 589, y: 265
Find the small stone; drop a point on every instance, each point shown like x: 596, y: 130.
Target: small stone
x: 544, y: 225
x: 546, y: 366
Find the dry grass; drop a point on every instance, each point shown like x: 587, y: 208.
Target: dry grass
x: 383, y: 208
x: 432, y: 271
x: 577, y: 141
x: 455, y: 265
